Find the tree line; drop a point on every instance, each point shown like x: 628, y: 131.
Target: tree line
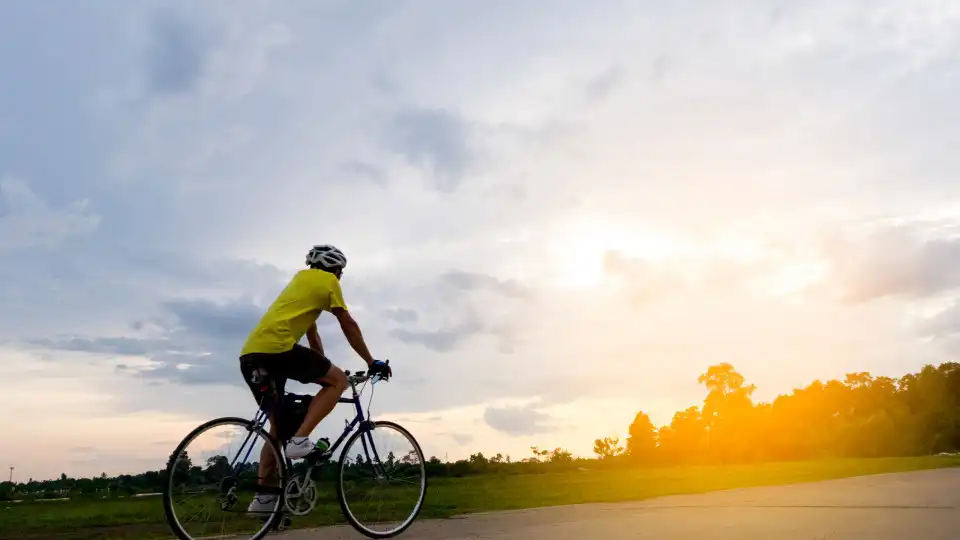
x: 861, y: 416
x: 190, y: 473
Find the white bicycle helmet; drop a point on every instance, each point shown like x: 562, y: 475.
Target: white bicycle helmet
x: 326, y: 256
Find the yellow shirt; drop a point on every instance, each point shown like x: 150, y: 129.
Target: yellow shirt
x: 309, y: 293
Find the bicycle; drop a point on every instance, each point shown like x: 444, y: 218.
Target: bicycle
x: 297, y: 493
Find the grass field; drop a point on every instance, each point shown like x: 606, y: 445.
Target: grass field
x: 143, y: 518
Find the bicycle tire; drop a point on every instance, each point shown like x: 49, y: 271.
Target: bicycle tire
x: 282, y: 470
x: 342, y: 498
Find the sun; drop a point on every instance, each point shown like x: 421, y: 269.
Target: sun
x: 578, y: 248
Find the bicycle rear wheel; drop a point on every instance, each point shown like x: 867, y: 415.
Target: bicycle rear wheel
x: 388, y: 460
x: 213, y: 475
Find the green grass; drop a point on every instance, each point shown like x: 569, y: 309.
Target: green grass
x: 143, y: 518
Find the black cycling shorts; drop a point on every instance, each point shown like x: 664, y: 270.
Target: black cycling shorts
x: 300, y: 363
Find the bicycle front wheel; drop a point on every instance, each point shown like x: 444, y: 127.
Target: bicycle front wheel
x: 382, y: 480
x: 213, y: 477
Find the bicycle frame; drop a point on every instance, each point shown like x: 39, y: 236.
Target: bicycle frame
x: 359, y: 420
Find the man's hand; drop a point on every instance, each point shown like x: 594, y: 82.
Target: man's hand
x: 381, y: 368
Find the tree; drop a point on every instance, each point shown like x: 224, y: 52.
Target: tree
x: 726, y: 393
x: 217, y: 467
x: 682, y: 440
x: 460, y: 468
x: 559, y: 455
x: 538, y: 453
x: 607, y: 447
x: 727, y: 413
x: 183, y: 465
x: 642, y: 438
x: 478, y: 463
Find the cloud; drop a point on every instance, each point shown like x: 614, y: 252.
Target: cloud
x: 177, y: 54
x: 117, y: 345
x: 857, y: 261
x: 442, y: 340
x: 941, y: 329
x: 470, y: 304
x: 27, y: 220
x: 462, y: 438
x: 471, y: 281
x: 365, y: 171
x: 151, y: 233
x: 912, y: 260
x: 198, y: 342
x: 231, y: 321
x: 518, y: 421
x: 605, y: 83
x: 437, y: 140
x: 943, y: 325
x: 644, y: 280
x: 401, y: 315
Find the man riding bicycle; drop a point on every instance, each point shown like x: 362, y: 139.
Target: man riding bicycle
x: 273, y: 353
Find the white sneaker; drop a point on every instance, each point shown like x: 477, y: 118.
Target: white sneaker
x: 261, y: 505
x: 299, y: 447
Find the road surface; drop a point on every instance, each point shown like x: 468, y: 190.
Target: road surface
x: 903, y: 506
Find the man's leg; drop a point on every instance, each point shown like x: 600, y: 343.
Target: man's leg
x: 268, y: 462
x: 335, y: 384
x: 266, y: 474
x: 308, y: 366
x: 267, y: 468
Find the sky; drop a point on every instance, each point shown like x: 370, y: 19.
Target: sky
x: 557, y: 213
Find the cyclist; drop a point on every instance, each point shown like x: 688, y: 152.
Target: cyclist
x: 272, y: 349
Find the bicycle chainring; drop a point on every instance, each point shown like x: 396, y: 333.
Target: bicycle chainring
x: 300, y: 497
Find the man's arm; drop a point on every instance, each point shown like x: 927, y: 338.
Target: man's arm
x: 314, y: 338
x: 351, y: 330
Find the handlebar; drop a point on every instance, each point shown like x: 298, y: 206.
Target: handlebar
x: 362, y: 376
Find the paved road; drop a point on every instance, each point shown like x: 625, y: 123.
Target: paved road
x: 905, y: 506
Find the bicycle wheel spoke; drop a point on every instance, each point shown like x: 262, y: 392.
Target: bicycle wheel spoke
x: 381, y: 494
x: 197, y: 513
x: 197, y: 494
x: 410, y: 480
x: 206, y: 497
